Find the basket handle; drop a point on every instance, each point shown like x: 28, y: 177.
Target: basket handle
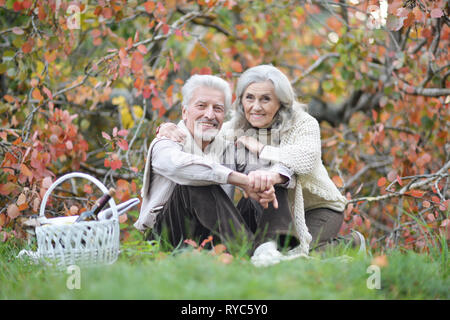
x: 65, y: 177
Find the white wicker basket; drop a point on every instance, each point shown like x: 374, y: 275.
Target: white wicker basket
x: 84, y: 243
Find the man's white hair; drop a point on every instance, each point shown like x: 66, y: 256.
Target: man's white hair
x: 205, y: 80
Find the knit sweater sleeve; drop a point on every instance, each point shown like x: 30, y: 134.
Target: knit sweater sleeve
x: 302, y: 149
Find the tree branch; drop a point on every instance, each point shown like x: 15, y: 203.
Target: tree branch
x: 440, y: 174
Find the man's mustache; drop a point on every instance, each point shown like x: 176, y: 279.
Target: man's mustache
x: 208, y: 121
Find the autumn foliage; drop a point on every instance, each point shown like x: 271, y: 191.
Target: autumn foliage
x: 84, y: 84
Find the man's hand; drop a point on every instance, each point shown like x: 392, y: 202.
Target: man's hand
x: 264, y: 198
x: 260, y: 180
x: 171, y: 131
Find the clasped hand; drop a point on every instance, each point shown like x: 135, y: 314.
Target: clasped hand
x: 261, y: 188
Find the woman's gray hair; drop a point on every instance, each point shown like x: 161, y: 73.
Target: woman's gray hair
x: 205, y: 80
x: 283, y: 90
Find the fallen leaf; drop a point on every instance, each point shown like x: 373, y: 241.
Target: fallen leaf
x: 381, y: 261
x: 226, y: 258
x: 220, y: 248
x: 13, y: 211
x: 21, y: 199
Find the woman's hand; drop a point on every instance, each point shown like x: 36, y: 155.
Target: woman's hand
x: 251, y: 144
x: 171, y: 131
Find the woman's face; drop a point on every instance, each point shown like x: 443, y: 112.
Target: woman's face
x: 260, y: 103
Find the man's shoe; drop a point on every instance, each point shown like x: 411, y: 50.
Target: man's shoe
x: 266, y: 254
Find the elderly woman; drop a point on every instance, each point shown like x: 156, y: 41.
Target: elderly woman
x: 278, y: 129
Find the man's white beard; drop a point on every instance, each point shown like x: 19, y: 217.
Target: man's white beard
x: 207, y: 135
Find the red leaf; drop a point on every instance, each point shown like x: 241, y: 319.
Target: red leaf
x: 37, y: 94
x: 25, y: 171
x: 48, y: 93
x: 436, y: 13
x: 236, y: 66
x: 3, y: 220
x: 399, y: 181
x: 392, y: 175
x: 416, y: 193
x: 137, y: 61
x: 50, y: 56
x: 116, y: 164
x: 435, y: 199
x: 165, y: 28
x: 123, y: 218
x: 122, y: 133
x: 41, y: 12
x: 107, y: 13
x: 226, y: 258
x: 7, y: 188
x: 96, y: 33
x: 13, y: 211
x: 190, y: 242
x: 17, y: 6
x: 87, y: 188
x: 357, y: 220
x: 220, y: 248
x: 106, y: 136
x: 381, y: 182
x: 338, y: 181
x: 9, y: 98
x: 123, y: 144
x: 73, y: 210
x: 146, y: 92
x: 178, y: 33
x: 206, y: 70
x: 142, y: 49
x: 204, y: 242
x: 23, y: 206
x: 157, y: 103
x: 26, y: 4
x: 149, y: 6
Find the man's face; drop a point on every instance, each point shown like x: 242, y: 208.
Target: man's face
x: 205, y: 113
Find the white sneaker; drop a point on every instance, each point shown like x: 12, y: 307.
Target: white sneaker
x: 266, y: 254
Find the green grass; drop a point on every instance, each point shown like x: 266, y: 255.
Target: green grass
x: 144, y: 272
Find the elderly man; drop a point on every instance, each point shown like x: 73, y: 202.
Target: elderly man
x: 188, y: 188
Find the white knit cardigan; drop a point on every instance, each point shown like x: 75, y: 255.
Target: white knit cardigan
x: 300, y: 150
